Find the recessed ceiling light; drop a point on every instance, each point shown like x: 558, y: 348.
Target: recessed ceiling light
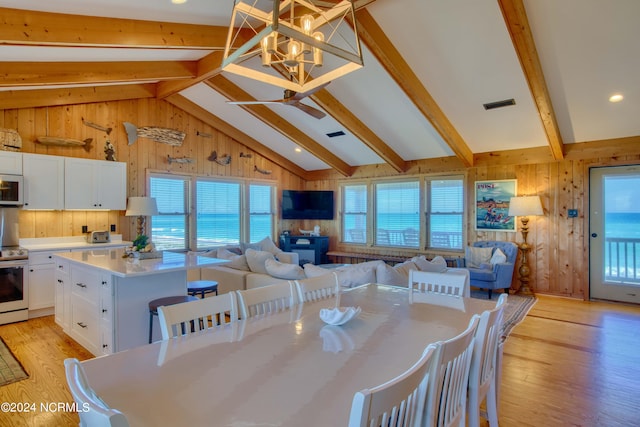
x: 616, y: 97
x: 178, y: 1
x: 298, y: 150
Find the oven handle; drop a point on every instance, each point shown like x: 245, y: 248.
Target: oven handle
x: 9, y: 264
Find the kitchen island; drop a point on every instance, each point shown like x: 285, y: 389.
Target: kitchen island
x: 105, y: 297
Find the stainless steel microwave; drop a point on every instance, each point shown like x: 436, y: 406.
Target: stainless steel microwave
x: 11, y: 190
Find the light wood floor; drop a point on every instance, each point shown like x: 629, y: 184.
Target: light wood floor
x: 569, y: 363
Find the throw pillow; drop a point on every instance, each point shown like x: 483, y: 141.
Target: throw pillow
x: 498, y: 257
x: 238, y: 262
x: 397, y: 275
x: 436, y: 265
x: 475, y: 256
x: 267, y: 245
x: 244, y: 246
x: 256, y: 260
x: 311, y: 270
x: 358, y: 274
x: 283, y: 271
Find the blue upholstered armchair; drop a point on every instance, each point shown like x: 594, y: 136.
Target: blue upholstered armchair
x: 496, y: 276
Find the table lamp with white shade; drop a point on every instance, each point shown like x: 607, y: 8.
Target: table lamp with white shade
x: 141, y: 207
x: 524, y: 207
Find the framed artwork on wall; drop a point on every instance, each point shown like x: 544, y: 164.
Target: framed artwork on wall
x: 492, y: 205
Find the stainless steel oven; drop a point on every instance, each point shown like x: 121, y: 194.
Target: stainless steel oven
x: 14, y: 276
x: 14, y: 291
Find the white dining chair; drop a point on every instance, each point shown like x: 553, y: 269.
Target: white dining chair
x: 400, y: 402
x: 318, y: 288
x: 451, y: 378
x: 193, y: 316
x: 266, y: 299
x: 482, y: 374
x: 453, y: 283
x: 92, y: 410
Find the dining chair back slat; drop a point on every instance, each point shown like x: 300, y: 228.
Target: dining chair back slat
x: 318, y: 288
x: 399, y: 402
x: 92, y: 410
x: 452, y: 377
x: 446, y: 283
x: 193, y: 316
x: 483, y: 372
x: 266, y: 299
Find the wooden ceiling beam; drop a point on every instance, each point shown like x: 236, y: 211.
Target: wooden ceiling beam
x: 26, y: 27
x: 207, y: 67
x: 242, y: 138
x: 515, y: 17
x: 66, y: 73
x: 11, y: 99
x: 389, y: 57
x: 267, y: 116
x: 346, y: 118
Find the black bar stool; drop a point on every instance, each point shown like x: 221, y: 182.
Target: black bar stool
x: 153, y: 307
x: 202, y: 287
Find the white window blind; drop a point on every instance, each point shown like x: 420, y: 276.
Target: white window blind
x: 217, y: 213
x: 397, y: 214
x: 261, y: 215
x: 445, y: 212
x: 170, y: 228
x: 354, y: 215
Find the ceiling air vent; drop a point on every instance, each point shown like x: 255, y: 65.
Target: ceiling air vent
x: 499, y: 104
x: 334, y: 134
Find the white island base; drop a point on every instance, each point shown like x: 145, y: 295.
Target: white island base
x: 105, y: 298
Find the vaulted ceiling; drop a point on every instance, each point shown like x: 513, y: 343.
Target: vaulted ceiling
x: 430, y: 65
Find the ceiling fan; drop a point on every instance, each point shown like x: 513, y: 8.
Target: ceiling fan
x: 291, y: 98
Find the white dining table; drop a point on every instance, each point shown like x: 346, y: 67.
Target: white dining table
x: 284, y: 369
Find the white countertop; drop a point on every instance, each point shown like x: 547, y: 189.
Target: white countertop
x: 112, y: 261
x: 75, y: 242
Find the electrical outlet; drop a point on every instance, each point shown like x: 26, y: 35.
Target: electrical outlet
x: 85, y: 229
x: 113, y: 228
x: 572, y: 213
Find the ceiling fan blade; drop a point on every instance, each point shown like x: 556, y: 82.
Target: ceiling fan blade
x: 314, y: 112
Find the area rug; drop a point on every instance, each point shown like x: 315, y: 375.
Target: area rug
x: 10, y: 369
x: 514, y: 312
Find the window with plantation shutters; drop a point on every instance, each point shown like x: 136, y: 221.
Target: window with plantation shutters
x: 354, y: 213
x: 445, y: 212
x: 170, y: 228
x: 397, y: 214
x: 217, y: 213
x: 261, y: 216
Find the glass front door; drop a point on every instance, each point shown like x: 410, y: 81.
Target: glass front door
x: 614, y: 230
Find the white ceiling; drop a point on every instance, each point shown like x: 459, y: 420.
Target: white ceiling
x: 460, y: 50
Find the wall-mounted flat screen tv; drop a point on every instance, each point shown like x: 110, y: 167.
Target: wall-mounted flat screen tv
x: 307, y: 204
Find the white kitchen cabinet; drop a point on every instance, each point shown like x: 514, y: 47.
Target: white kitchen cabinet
x: 10, y: 162
x: 95, y: 184
x: 63, y: 293
x: 41, y: 287
x: 43, y: 181
x: 91, y: 293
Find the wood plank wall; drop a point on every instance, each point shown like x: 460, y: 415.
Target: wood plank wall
x: 144, y: 155
x: 559, y: 261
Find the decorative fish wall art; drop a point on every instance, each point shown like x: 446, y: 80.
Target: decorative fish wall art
x: 246, y: 155
x: 10, y: 140
x: 179, y: 159
x: 96, y: 126
x: 158, y: 134
x: 223, y: 161
x: 65, y: 142
x: 204, y: 135
x: 262, y: 171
